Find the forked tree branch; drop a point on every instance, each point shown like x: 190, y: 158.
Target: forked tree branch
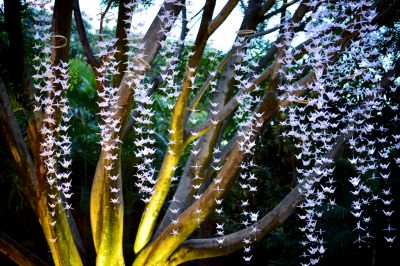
x: 229, y: 108
x: 166, y: 243
x: 270, y: 72
x: 99, y: 200
x: 177, y: 145
x: 102, y: 17
x: 205, y: 248
x: 199, y: 204
x: 184, y: 194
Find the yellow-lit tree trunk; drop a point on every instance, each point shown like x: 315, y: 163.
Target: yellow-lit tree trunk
x: 158, y: 241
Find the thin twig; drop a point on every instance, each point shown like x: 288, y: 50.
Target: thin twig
x: 91, y: 59
x: 102, y: 16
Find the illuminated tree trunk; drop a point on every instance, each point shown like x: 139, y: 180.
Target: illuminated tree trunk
x: 159, y: 241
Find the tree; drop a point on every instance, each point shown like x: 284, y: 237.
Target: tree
x: 327, y: 92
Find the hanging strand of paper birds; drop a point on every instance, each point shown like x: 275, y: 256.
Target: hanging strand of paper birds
x: 316, y: 122
x: 248, y: 126
x: 110, y: 125
x: 51, y: 83
x: 343, y: 100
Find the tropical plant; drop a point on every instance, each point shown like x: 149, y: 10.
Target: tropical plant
x: 320, y: 89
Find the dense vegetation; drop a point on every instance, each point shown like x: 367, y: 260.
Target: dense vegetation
x: 168, y: 80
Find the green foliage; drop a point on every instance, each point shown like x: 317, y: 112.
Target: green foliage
x: 276, y: 164
x: 84, y: 121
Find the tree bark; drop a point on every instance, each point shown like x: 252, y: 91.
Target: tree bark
x: 18, y: 253
x: 87, y: 49
x: 149, y: 217
x: 105, y: 219
x: 184, y: 193
x: 207, y: 248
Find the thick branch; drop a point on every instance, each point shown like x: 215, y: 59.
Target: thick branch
x: 18, y: 68
x: 157, y: 81
x: 222, y: 16
x: 62, y: 21
x: 175, y: 149
x: 15, y: 56
x: 122, y: 42
x: 231, y: 106
x: 22, y: 159
x: 18, y: 253
x: 100, y: 201
x: 183, y: 194
x: 205, y: 87
x: 269, y: 72
x: 206, y: 248
x: 185, y: 191
x: 152, y: 45
x: 109, y: 223
x: 166, y: 243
